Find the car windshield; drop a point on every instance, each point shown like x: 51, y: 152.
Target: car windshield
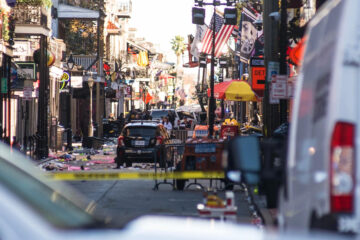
x: 57, y: 204
x: 159, y: 114
x: 140, y: 131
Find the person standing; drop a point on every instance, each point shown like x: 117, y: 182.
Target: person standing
x: 168, y: 125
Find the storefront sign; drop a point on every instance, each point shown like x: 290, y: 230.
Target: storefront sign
x: 22, y: 49
x: 27, y: 93
x: 28, y: 69
x: 64, y: 80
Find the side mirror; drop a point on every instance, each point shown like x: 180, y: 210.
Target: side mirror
x: 244, y: 159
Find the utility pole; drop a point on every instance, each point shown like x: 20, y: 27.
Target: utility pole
x: 100, y: 53
x: 270, y: 111
x: 212, y: 80
x: 283, y: 44
x: 42, y: 150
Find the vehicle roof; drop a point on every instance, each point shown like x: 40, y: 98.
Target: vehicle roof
x: 160, y: 110
x: 146, y: 123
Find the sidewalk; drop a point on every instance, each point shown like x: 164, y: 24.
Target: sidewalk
x: 268, y: 215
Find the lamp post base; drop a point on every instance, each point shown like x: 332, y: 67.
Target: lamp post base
x: 69, y: 140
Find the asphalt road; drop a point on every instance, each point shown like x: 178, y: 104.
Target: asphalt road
x: 126, y: 200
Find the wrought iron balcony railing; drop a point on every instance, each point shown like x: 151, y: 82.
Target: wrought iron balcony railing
x: 30, y: 15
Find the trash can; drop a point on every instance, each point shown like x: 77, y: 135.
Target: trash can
x: 60, y: 137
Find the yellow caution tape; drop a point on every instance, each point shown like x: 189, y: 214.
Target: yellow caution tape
x: 100, y: 175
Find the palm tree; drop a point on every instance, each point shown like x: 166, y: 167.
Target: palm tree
x: 178, y: 45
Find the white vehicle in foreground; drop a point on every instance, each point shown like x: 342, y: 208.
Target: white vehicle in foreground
x: 323, y: 164
x: 321, y: 173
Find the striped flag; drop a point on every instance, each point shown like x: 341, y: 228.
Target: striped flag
x: 222, y: 34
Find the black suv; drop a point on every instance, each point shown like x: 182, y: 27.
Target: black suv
x: 142, y: 141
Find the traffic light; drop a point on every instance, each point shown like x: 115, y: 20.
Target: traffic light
x: 11, y: 28
x: 198, y: 15
x: 230, y: 16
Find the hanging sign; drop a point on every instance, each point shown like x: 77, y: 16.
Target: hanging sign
x: 27, y: 93
x: 64, y: 80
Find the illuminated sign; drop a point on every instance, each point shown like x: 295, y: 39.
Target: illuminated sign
x: 258, y: 73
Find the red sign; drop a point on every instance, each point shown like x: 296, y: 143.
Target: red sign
x: 258, y: 75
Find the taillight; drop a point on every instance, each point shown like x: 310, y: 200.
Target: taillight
x: 121, y: 141
x: 159, y: 140
x: 342, y: 168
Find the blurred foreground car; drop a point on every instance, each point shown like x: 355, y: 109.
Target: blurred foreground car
x: 35, y: 207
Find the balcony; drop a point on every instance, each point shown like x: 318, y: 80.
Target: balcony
x: 124, y: 9
x: 31, y: 20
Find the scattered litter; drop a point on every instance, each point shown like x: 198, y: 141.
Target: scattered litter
x: 76, y: 168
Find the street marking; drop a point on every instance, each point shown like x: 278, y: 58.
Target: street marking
x: 91, y: 176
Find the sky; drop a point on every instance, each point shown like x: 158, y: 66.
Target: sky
x: 159, y: 21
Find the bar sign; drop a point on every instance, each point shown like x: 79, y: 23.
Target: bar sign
x: 4, y: 86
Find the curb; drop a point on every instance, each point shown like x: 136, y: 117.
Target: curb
x: 266, y: 214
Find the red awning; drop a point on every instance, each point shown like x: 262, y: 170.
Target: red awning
x: 165, y: 76
x: 220, y: 89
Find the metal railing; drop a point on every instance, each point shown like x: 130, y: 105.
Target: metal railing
x: 30, y: 15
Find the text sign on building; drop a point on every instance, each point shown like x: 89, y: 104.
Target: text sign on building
x: 27, y: 93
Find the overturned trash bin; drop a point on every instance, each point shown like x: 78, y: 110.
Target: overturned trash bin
x: 92, y: 142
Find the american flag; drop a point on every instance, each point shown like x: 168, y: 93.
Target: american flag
x: 222, y: 34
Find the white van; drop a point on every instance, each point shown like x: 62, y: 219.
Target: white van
x: 322, y: 187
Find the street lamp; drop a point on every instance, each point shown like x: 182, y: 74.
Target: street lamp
x: 90, y: 84
x: 70, y: 65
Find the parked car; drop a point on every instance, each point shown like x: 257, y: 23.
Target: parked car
x: 158, y: 114
x: 142, y: 141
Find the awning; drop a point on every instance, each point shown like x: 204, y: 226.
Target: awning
x: 234, y: 90
x: 166, y: 76
x: 112, y: 28
x: 67, y: 11
x: 140, y: 48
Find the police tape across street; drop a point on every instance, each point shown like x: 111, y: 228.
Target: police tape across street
x: 101, y: 175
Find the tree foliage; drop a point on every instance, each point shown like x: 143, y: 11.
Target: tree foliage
x: 178, y: 45
x: 80, y: 36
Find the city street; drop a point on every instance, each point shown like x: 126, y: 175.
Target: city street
x: 125, y: 200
